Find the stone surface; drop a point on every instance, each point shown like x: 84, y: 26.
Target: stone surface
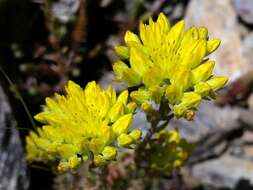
x: 65, y: 9
x: 247, y: 49
x: 107, y: 79
x: 244, y: 9
x: 243, y: 30
x: 221, y: 20
x: 226, y: 171
x: 13, y: 174
x: 232, y: 170
x: 250, y: 102
x: 208, y: 117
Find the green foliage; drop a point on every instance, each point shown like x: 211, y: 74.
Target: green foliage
x: 168, y: 151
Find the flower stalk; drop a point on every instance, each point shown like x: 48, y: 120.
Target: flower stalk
x: 159, y: 120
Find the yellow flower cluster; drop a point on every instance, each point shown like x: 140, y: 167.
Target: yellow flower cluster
x: 169, y: 62
x: 86, y: 123
x: 168, y: 151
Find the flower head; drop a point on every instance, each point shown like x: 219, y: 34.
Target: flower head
x: 169, y: 62
x: 83, y: 124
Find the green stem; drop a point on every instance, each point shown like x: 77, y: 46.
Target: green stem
x: 19, y: 97
x: 39, y: 167
x: 154, y: 118
x: 19, y: 128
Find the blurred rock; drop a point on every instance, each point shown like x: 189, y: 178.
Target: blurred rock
x: 244, y: 8
x: 105, y: 3
x: 247, y: 49
x: 243, y: 30
x: 248, y: 42
x: 108, y: 78
x: 226, y: 171
x: 248, y: 151
x: 176, y: 12
x: 250, y: 102
x: 13, y: 174
x: 221, y: 20
x: 65, y: 9
x: 208, y: 117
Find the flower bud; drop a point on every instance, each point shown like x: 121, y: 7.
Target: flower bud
x: 125, y: 140
x: 136, y: 134
x: 124, y: 73
x: 74, y: 162
x: 131, y: 38
x: 174, y: 136
x: 181, y: 155
x: 140, y: 96
x: 179, y: 110
x: 177, y: 163
x: 217, y: 83
x: 189, y: 115
x: 203, y: 89
x: 146, y: 107
x: 119, y: 68
x: 130, y: 108
x: 191, y: 99
x: 63, y: 166
x: 109, y: 153
x: 41, y: 117
x: 132, y: 77
x: 99, y: 160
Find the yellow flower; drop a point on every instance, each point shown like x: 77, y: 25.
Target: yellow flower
x: 83, y: 124
x: 169, y: 62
